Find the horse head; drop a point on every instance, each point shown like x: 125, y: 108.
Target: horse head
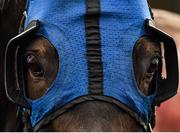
x: 90, y: 66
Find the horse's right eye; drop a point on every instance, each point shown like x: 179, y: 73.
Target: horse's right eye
x: 153, y: 65
x: 33, y: 66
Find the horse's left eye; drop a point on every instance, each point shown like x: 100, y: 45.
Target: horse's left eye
x: 153, y: 65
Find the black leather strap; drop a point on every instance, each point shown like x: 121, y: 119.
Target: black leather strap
x: 151, y: 12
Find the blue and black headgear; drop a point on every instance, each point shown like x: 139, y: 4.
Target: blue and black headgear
x: 94, y: 40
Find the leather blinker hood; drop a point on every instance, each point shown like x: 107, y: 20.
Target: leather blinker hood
x: 94, y: 40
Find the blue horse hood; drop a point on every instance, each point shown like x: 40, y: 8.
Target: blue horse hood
x: 121, y: 24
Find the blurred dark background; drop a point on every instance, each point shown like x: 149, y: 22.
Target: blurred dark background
x: 171, y: 5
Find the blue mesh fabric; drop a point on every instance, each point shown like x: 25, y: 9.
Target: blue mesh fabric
x: 62, y: 23
x: 122, y: 24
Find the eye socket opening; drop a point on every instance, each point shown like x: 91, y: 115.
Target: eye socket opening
x: 36, y: 59
x: 146, y: 63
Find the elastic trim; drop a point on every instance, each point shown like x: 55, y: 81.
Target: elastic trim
x: 93, y: 45
x: 47, y: 119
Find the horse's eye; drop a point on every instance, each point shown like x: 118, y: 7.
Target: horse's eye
x: 153, y: 65
x: 33, y: 66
